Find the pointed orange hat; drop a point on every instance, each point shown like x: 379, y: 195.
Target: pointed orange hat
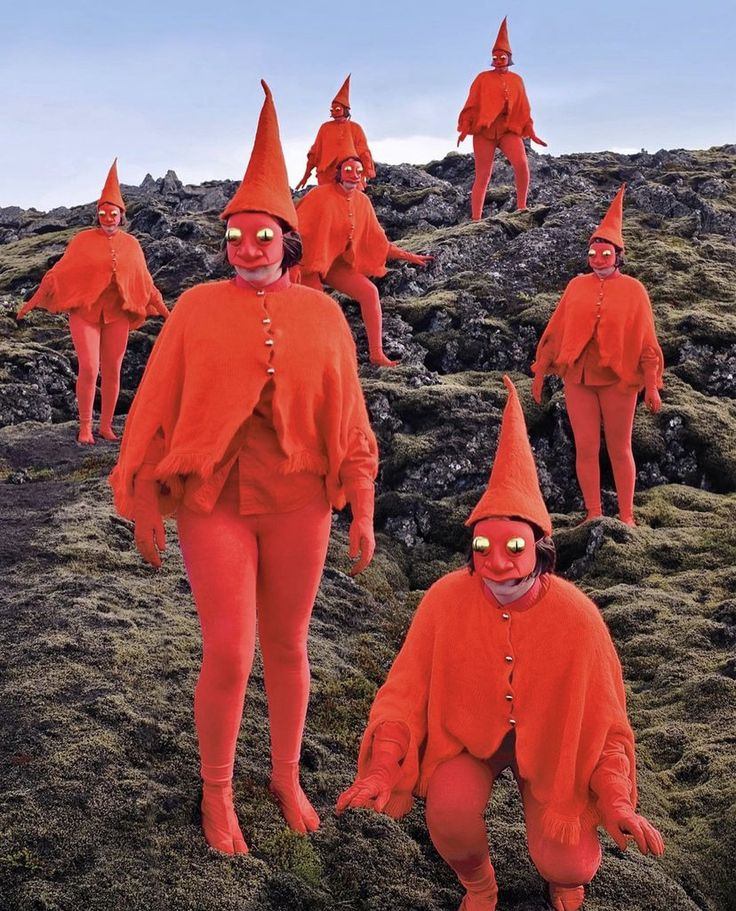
x: 265, y: 186
x: 111, y: 191
x: 343, y: 96
x: 610, y: 228
x: 502, y: 39
x: 513, y: 488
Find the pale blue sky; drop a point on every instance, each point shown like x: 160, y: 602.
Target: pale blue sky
x: 176, y: 85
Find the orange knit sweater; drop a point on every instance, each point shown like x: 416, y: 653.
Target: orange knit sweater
x: 491, y: 95
x: 337, y: 141
x: 334, y: 223
x: 461, y: 658
x: 92, y: 261
x: 206, y: 375
x: 617, y: 310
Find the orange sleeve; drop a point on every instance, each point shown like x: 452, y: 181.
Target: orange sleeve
x: 611, y: 781
x: 466, y: 120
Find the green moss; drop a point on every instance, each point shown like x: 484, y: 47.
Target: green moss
x: 292, y: 853
x: 29, y: 257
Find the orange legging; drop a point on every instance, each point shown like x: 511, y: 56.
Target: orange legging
x: 357, y: 287
x: 586, y: 406
x: 484, y: 149
x: 100, y: 348
x: 458, y: 794
x: 239, y: 567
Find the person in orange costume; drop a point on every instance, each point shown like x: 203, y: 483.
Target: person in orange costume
x: 103, y: 282
x: 338, y: 139
x: 497, y: 115
x: 344, y: 244
x: 601, y: 339
x: 250, y: 424
x: 507, y: 665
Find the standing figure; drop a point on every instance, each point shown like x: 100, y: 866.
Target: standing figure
x: 601, y: 339
x: 497, y: 115
x: 249, y: 425
x: 344, y: 244
x: 103, y: 282
x: 338, y: 139
x: 507, y: 665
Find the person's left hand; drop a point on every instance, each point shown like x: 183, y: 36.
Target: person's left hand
x: 539, y: 142
x: 419, y: 259
x: 362, y: 543
x: 625, y: 826
x: 652, y: 400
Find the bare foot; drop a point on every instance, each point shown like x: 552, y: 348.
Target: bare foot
x: 294, y: 804
x: 85, y: 433
x: 380, y: 360
x: 107, y: 433
x: 219, y: 822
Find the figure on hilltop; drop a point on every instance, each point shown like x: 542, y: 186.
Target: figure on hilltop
x: 601, y: 339
x: 497, y: 115
x: 338, y: 139
x: 507, y: 665
x: 249, y: 425
x: 344, y: 244
x: 103, y: 282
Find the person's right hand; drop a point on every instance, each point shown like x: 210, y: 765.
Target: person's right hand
x: 24, y: 310
x: 369, y: 793
x: 538, y: 387
x: 461, y: 138
x: 303, y: 181
x: 149, y: 535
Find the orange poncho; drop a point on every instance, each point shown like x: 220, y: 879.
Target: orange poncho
x: 92, y: 260
x: 334, y: 143
x: 449, y: 682
x: 491, y: 95
x: 334, y: 223
x: 205, y: 377
x: 620, y: 308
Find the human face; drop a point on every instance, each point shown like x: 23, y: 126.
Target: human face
x: 351, y: 174
x: 602, y: 258
x: 504, y: 556
x: 337, y: 111
x: 255, y: 247
x: 501, y: 60
x: 109, y: 217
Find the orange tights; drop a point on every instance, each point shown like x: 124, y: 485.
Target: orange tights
x: 100, y: 348
x: 587, y: 406
x: 360, y: 288
x: 458, y: 794
x: 484, y: 149
x: 240, y: 567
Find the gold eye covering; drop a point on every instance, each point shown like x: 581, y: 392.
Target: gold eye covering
x: 515, y: 545
x: 233, y: 235
x: 264, y: 235
x: 481, y: 545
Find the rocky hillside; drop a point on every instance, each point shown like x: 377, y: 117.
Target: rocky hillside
x: 99, y: 806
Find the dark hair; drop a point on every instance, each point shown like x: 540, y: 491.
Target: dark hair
x: 545, y: 547
x: 341, y: 163
x: 619, y: 252
x: 292, y: 245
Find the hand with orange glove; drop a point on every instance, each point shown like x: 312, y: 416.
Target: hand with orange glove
x: 534, y: 138
x: 303, y: 181
x: 418, y: 259
x: 461, y: 138
x: 538, y: 387
x: 150, y: 537
x: 624, y: 824
x: 361, y: 537
x: 652, y: 398
x: 24, y: 310
x: 373, y: 790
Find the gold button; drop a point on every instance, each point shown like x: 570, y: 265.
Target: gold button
x: 266, y: 321
x: 512, y: 720
x: 509, y: 658
x: 260, y: 293
x: 505, y: 616
x: 271, y: 371
x: 269, y: 342
x: 509, y: 696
